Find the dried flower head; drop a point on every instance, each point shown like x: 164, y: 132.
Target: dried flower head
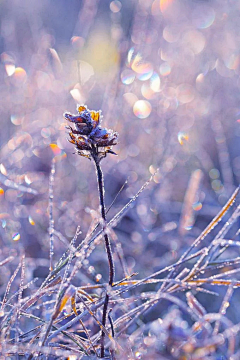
x: 88, y: 136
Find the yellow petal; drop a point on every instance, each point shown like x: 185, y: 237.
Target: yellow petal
x: 95, y: 115
x: 81, y: 108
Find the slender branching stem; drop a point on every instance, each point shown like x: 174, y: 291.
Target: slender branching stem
x: 100, y: 179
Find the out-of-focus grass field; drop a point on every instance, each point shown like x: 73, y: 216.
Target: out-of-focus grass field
x: 165, y: 74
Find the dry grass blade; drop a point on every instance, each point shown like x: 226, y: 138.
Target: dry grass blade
x: 50, y: 209
x: 76, y: 319
x: 9, y: 286
x: 7, y: 260
x: 212, y: 224
x: 73, y: 303
x: 11, y: 184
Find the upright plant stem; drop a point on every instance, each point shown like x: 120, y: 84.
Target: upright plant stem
x: 107, y: 245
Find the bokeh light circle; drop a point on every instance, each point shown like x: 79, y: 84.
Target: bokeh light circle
x: 115, y: 6
x: 144, y: 71
x: 203, y: 16
x: 127, y: 77
x: 171, y: 34
x: 142, y: 109
x: 194, y: 40
x: 147, y: 92
x: 165, y: 69
x: 20, y: 75
x: 185, y: 93
x: 155, y: 82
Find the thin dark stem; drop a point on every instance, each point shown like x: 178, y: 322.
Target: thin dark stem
x: 107, y: 244
x: 103, y: 212
x: 104, y: 318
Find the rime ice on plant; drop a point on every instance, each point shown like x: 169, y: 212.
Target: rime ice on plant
x: 88, y: 136
x: 94, y: 142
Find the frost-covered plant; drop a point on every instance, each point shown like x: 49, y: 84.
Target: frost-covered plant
x: 90, y: 139
x: 94, y: 142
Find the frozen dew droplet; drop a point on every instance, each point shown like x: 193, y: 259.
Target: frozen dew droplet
x: 138, y: 355
x: 98, y: 277
x: 182, y: 137
x: 3, y: 169
x: 72, y: 357
x: 10, y: 69
x: 31, y: 221
x: 4, y: 223
x: 16, y: 237
x: 27, y: 180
